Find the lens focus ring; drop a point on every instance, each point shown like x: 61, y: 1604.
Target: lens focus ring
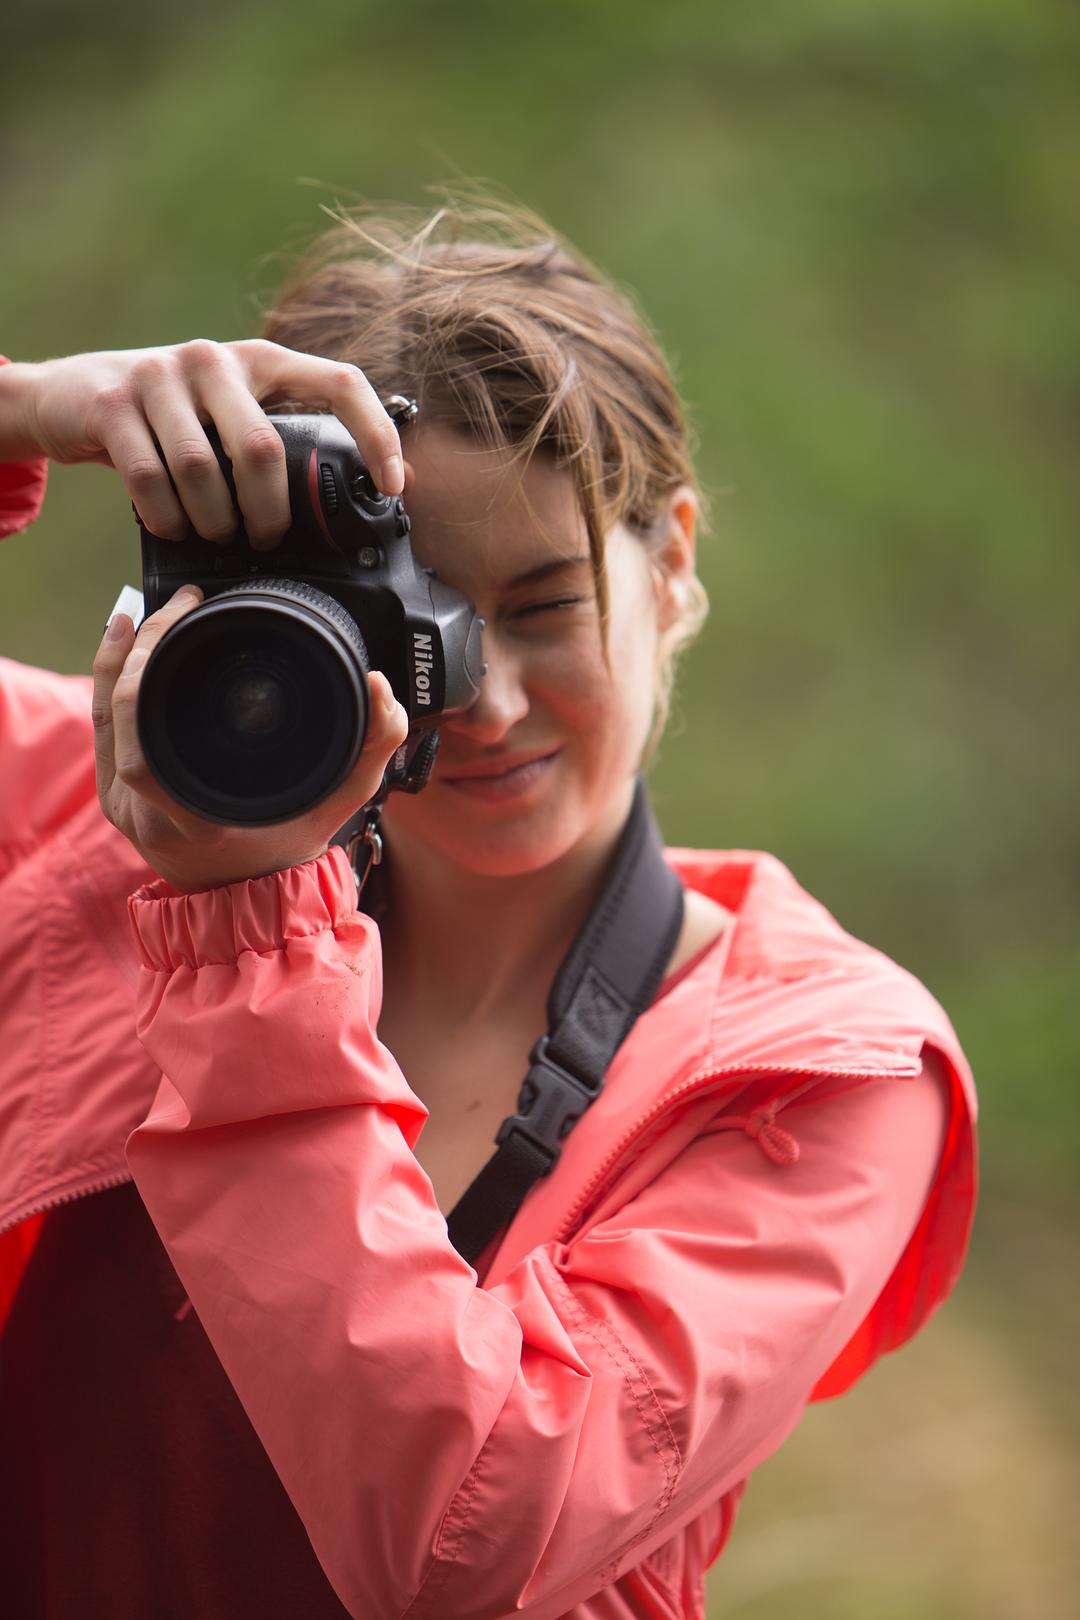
x: 298, y: 590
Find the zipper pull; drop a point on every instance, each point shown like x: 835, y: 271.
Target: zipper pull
x: 776, y: 1143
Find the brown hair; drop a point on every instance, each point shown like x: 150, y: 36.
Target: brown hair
x: 495, y: 325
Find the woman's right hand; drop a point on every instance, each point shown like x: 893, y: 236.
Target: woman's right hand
x: 143, y: 411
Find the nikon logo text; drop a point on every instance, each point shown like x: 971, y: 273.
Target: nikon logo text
x: 423, y: 661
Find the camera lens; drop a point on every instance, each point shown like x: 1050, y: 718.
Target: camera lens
x: 253, y: 707
x: 254, y: 704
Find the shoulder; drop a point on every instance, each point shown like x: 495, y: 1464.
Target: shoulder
x: 794, y: 986
x: 41, y: 710
x: 46, y: 748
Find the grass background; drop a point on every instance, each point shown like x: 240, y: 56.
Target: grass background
x: 855, y: 227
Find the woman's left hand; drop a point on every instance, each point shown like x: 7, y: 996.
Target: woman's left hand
x: 189, y: 852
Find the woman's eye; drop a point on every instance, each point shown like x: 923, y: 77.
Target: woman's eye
x: 542, y: 607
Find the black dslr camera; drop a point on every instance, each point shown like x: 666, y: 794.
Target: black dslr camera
x: 253, y: 708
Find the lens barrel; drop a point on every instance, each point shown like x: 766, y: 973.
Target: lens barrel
x: 253, y: 707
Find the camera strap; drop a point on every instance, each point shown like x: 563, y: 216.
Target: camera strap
x: 609, y: 976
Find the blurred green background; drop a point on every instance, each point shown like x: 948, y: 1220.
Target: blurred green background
x: 854, y: 224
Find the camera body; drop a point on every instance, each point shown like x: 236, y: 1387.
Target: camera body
x: 254, y: 706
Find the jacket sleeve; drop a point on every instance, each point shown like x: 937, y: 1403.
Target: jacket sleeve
x: 22, y: 490
x: 46, y: 753
x: 452, y: 1449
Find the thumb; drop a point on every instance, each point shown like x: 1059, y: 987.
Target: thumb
x: 388, y: 726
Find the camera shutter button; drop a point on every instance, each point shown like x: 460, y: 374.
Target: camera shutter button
x: 363, y: 489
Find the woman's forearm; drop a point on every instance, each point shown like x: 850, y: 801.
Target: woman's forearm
x: 17, y: 442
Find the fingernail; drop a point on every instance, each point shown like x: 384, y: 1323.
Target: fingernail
x: 389, y: 701
x: 392, y: 481
x: 115, y: 627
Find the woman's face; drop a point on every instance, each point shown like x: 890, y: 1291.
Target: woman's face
x: 544, y: 760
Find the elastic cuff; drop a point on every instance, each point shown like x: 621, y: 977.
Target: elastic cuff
x: 214, y: 926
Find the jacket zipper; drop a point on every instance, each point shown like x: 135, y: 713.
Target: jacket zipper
x: 702, y: 1081
x: 56, y: 1199
x: 697, y: 1083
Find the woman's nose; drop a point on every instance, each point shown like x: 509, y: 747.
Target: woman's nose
x: 502, y: 702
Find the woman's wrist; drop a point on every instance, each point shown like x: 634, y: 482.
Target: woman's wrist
x: 189, y: 881
x: 17, y: 442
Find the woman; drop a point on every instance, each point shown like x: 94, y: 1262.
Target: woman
x: 246, y: 1370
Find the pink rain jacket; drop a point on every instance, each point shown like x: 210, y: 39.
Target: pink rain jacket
x: 775, y: 1187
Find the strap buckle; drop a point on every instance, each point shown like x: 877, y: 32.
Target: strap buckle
x: 365, y: 847
x: 550, y: 1103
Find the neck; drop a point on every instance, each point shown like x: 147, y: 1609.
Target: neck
x: 467, y: 946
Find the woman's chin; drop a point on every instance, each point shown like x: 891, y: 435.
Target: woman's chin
x: 471, y: 838
x: 537, y: 825
x: 508, y: 851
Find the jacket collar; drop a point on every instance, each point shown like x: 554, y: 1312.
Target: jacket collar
x: 786, y: 986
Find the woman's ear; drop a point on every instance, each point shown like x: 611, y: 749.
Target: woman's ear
x: 673, y: 555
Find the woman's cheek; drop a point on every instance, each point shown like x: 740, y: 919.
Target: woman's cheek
x: 632, y: 686
x: 575, y: 683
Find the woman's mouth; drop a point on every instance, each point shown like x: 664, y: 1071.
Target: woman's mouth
x: 497, y: 782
